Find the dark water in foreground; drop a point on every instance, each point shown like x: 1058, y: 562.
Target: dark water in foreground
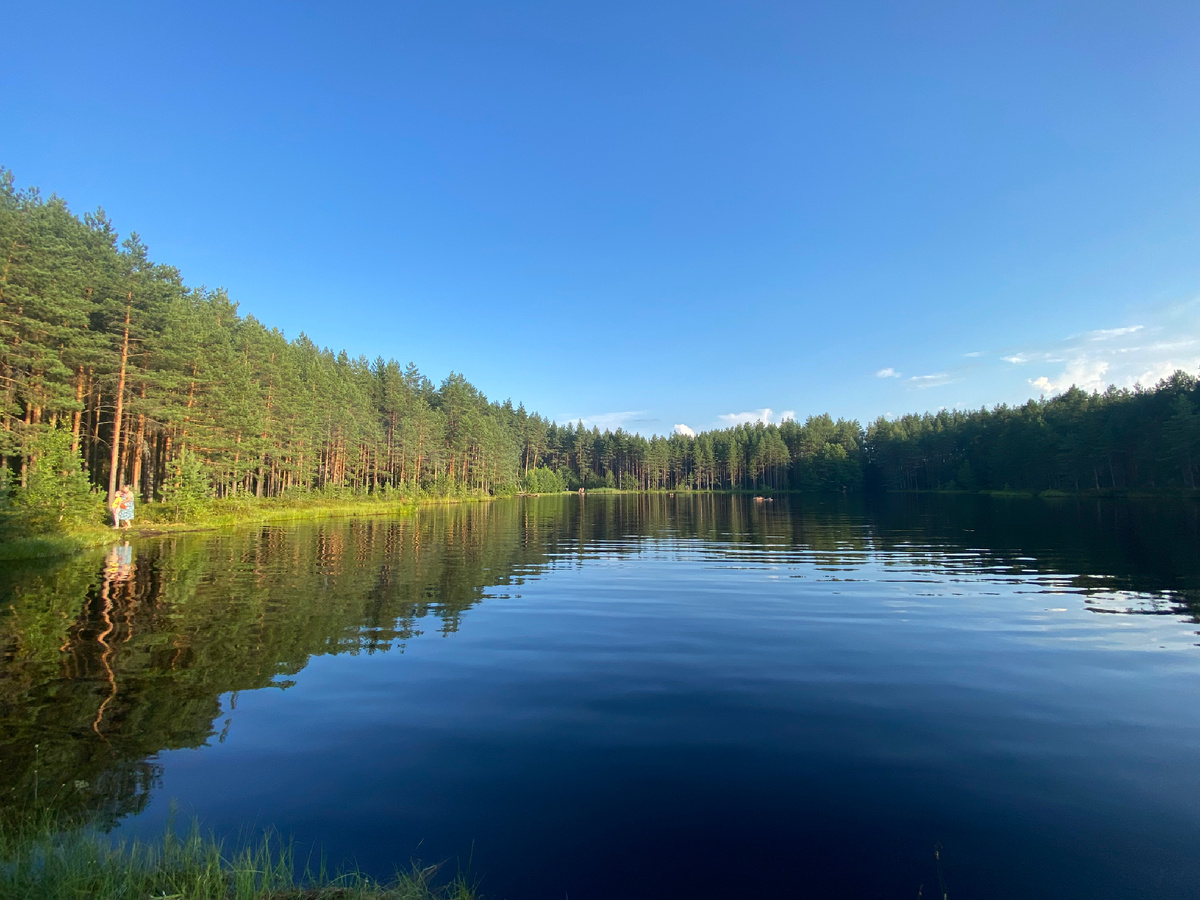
x: 645, y: 696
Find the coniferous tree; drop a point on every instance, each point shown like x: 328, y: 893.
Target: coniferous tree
x: 158, y: 385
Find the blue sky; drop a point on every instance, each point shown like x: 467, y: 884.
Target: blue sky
x: 653, y: 214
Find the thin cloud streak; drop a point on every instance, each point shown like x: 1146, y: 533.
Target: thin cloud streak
x: 921, y: 382
x: 611, y: 421
x: 1107, y: 334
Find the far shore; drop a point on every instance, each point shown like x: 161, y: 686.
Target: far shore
x: 242, y: 511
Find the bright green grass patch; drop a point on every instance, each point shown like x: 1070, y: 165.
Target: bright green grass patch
x: 157, y: 518
x: 224, y: 513
x: 41, y: 860
x: 43, y: 545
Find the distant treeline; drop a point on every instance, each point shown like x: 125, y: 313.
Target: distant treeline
x: 1140, y: 439
x: 114, y: 372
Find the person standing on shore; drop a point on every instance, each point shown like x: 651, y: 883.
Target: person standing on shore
x: 122, y: 508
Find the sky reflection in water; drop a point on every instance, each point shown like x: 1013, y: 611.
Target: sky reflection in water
x: 648, y: 696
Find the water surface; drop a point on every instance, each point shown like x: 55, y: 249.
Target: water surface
x: 644, y: 696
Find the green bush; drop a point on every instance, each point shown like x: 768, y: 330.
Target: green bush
x: 504, y: 489
x: 188, y: 492
x: 544, y: 481
x: 57, y: 494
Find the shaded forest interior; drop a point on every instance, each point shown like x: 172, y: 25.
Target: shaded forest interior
x: 114, y: 372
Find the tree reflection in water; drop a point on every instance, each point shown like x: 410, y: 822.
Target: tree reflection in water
x: 112, y: 657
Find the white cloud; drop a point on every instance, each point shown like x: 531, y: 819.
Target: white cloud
x: 889, y: 372
x: 744, y: 418
x: 611, y: 421
x: 683, y: 429
x: 1121, y: 356
x: 1107, y: 334
x: 974, y: 354
x: 1159, y: 371
x: 1174, y: 345
x: 766, y: 415
x: 1133, y: 354
x: 1083, y: 372
x: 929, y: 381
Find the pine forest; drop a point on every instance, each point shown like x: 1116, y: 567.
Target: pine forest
x: 115, y: 372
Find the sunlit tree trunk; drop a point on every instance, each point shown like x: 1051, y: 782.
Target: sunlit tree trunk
x: 115, y: 457
x: 77, y: 415
x: 139, y: 446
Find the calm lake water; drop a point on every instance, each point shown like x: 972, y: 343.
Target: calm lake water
x: 644, y: 696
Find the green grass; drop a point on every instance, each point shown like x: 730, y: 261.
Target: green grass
x: 43, y: 860
x: 44, y: 545
x: 157, y: 518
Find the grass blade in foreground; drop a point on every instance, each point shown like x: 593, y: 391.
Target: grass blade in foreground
x: 45, y: 860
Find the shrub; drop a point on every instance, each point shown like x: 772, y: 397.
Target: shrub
x: 57, y: 493
x: 188, y: 491
x: 544, y: 481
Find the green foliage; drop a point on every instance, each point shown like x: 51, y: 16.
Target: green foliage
x: 505, y: 489
x: 57, y: 494
x: 1144, y: 439
x: 544, y: 481
x: 88, y: 316
x: 1181, y: 438
x: 188, y: 493
x: 45, y: 859
x: 965, y: 477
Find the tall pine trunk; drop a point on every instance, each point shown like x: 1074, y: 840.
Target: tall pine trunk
x: 77, y: 416
x: 139, y: 446
x: 115, y: 458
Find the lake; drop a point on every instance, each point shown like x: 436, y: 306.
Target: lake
x: 643, y: 695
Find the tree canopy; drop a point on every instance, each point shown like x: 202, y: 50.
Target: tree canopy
x: 109, y: 358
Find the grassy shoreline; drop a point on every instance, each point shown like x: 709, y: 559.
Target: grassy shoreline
x: 152, y: 520
x: 44, y: 858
